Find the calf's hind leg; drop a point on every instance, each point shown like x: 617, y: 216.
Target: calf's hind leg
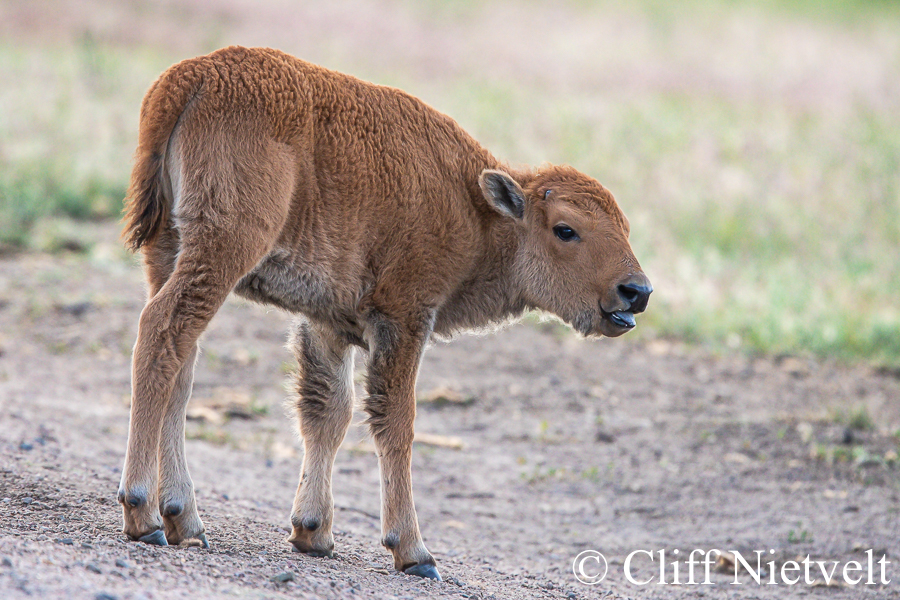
x: 218, y: 246
x: 170, y: 325
x: 324, y: 409
x: 177, y: 503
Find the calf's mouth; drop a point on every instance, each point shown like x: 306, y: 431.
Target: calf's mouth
x: 620, y: 318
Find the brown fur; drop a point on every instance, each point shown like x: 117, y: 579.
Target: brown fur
x: 371, y: 214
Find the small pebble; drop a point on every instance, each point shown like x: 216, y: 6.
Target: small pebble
x: 27, y: 500
x: 848, y: 437
x: 67, y: 541
x: 93, y: 568
x: 26, y: 446
x: 7, y: 561
x: 604, y: 437
x: 122, y: 563
x: 283, y: 577
x: 105, y: 596
x: 86, y: 545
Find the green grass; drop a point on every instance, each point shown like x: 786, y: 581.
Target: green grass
x: 30, y: 193
x: 67, y: 132
x: 762, y: 226
x: 766, y: 214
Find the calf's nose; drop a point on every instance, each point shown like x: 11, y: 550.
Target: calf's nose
x: 636, y: 294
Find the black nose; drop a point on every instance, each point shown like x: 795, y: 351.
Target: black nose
x: 636, y: 295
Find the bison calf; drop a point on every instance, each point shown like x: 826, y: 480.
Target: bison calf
x: 377, y: 219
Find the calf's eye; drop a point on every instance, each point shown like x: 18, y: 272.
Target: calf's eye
x: 565, y: 233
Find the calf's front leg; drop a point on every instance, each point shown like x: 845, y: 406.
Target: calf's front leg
x: 396, y: 348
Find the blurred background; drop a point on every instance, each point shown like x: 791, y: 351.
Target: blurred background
x: 754, y: 145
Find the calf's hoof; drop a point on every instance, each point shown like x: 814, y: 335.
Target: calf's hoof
x: 310, y: 537
x: 182, y: 526
x: 198, y: 541
x: 156, y: 538
x: 312, y: 551
x: 425, y: 570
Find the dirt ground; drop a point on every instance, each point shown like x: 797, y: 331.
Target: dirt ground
x: 564, y: 445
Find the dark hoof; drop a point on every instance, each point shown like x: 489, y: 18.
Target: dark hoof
x: 203, y: 542
x: 316, y: 553
x: 157, y: 538
x: 424, y: 570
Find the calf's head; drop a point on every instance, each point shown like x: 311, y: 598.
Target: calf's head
x: 573, y: 257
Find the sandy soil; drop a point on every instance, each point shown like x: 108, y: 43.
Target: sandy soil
x: 566, y: 445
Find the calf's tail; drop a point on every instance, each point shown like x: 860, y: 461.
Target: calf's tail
x: 146, y: 206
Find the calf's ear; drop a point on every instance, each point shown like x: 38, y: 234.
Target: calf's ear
x: 503, y: 193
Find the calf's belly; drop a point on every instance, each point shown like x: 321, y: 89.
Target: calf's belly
x: 281, y: 279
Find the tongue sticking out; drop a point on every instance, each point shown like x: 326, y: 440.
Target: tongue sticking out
x: 623, y: 319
